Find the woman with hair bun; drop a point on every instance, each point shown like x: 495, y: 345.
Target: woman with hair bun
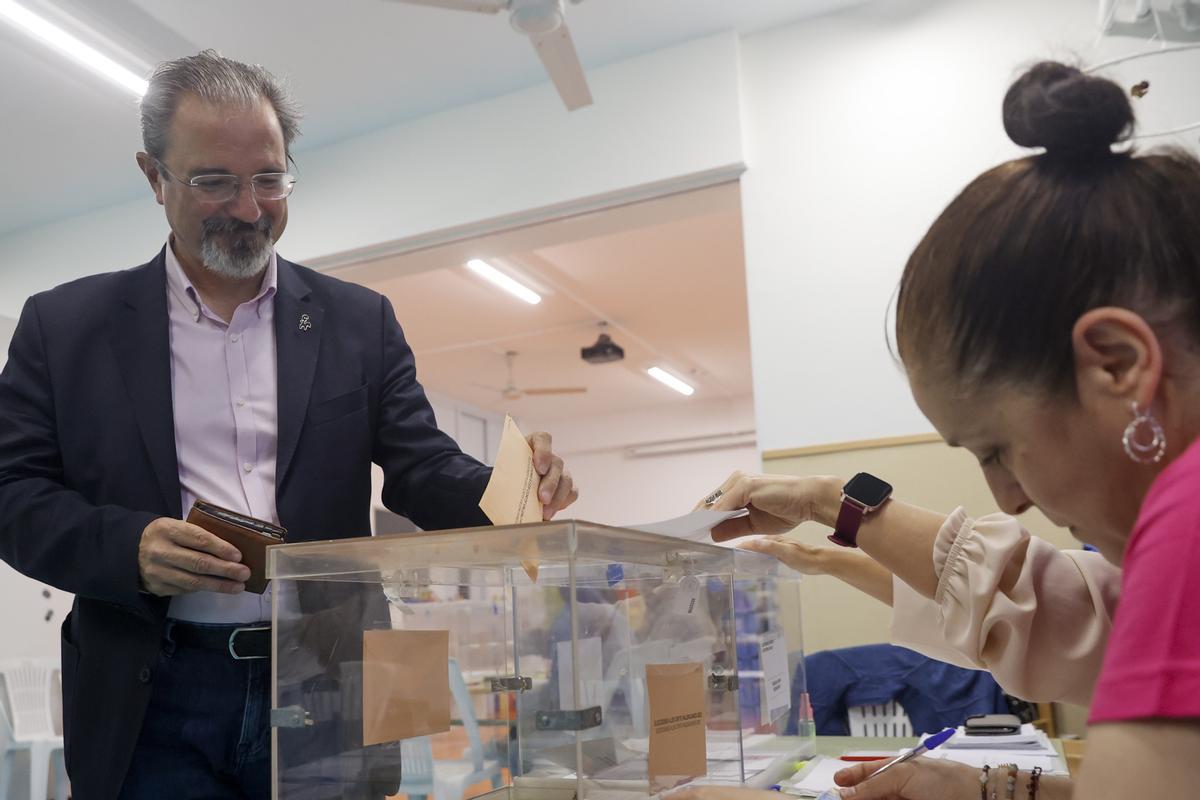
x: 1049, y: 322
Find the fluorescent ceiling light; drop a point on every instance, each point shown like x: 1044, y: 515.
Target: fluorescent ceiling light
x: 662, y: 376
x: 498, y: 278
x: 68, y: 45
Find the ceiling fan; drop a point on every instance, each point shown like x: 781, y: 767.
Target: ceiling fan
x: 511, y: 392
x: 544, y: 22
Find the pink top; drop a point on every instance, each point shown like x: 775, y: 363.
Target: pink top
x: 223, y: 388
x: 1152, y: 665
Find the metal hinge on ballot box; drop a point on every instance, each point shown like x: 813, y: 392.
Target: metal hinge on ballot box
x: 290, y: 717
x: 719, y: 681
x: 579, y: 719
x: 512, y: 683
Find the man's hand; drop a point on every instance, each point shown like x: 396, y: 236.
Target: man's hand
x: 556, y: 490
x: 175, y: 557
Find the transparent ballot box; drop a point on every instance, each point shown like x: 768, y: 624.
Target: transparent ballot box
x: 555, y: 660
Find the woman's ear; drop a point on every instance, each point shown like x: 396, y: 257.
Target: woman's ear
x: 1117, y: 356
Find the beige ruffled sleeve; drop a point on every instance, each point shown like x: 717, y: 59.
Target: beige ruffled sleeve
x: 1036, y: 617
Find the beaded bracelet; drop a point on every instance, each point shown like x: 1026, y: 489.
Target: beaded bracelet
x: 1034, y: 777
x: 983, y: 779
x: 1010, y: 788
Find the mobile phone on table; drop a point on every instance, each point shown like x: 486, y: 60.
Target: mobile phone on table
x: 991, y: 725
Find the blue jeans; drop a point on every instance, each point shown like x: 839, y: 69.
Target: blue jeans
x: 207, y: 732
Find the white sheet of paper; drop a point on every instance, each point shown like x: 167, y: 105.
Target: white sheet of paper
x: 591, y: 681
x: 818, y: 775
x: 777, y: 696
x: 694, y: 527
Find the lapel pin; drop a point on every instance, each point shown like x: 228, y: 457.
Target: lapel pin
x: 305, y: 322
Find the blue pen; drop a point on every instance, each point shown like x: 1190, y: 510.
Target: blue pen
x: 925, y: 746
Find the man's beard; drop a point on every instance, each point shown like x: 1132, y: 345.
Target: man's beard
x: 236, y: 249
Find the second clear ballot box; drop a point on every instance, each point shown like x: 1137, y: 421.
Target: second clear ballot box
x: 554, y: 660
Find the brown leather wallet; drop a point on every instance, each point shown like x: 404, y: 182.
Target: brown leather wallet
x: 249, y: 535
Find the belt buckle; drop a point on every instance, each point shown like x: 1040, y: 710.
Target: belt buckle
x: 232, y: 636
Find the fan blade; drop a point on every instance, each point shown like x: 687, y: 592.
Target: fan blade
x: 557, y: 52
x: 557, y: 390
x: 484, y: 6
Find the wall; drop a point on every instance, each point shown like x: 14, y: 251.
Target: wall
x: 859, y: 127
x: 617, y: 489
x: 7, y: 326
x: 505, y: 159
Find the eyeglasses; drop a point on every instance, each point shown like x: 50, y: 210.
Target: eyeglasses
x: 223, y: 188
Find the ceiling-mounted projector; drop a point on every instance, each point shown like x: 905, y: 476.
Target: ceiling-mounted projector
x: 604, y: 351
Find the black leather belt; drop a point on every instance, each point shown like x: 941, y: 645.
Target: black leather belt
x: 242, y: 642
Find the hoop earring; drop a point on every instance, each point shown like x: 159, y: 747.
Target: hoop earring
x: 1144, y: 452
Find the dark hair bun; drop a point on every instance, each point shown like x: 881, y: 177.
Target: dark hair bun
x: 1066, y: 111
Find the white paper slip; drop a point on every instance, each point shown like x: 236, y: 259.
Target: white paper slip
x: 777, y: 699
x: 694, y: 527
x: 817, y: 776
x: 591, y: 681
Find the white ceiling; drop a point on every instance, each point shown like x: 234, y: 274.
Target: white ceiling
x: 668, y: 274
x: 68, y: 137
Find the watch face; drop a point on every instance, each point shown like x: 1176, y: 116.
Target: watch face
x: 867, y: 489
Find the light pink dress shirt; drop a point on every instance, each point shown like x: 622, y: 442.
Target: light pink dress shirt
x: 224, y: 391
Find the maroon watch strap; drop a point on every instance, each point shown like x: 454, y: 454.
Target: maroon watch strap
x: 845, y: 532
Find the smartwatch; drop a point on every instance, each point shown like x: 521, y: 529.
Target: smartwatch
x: 860, y: 496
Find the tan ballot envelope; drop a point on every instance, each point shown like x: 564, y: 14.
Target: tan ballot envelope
x: 677, y: 732
x: 511, y: 495
x: 406, y: 684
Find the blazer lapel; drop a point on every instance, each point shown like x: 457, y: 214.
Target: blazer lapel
x: 141, y: 341
x: 298, y: 331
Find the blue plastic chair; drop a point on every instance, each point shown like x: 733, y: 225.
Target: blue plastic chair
x: 416, y: 765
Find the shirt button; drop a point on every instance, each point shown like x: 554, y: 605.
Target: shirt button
x: 247, y: 466
x: 241, y: 401
x: 233, y: 337
x: 144, y: 675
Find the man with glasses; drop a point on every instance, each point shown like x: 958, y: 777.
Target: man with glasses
x: 217, y: 371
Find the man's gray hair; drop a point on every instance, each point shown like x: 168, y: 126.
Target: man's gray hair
x: 216, y: 80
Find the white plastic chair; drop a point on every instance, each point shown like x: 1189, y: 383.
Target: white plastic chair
x: 28, y: 712
x: 888, y: 719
